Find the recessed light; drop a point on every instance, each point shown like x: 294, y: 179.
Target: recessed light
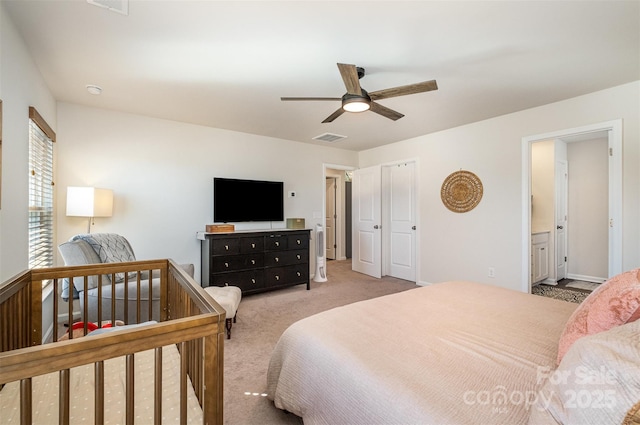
x: 93, y: 89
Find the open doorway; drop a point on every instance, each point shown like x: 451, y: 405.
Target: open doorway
x: 336, y: 212
x: 569, y: 209
x: 562, y: 224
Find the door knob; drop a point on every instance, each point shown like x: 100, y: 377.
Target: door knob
x: 559, y: 227
x: 376, y: 226
x: 413, y: 227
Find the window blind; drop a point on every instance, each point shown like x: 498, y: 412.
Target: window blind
x: 40, y: 197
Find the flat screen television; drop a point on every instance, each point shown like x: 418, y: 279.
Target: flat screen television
x: 236, y: 200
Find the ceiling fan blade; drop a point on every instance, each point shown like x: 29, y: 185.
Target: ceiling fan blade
x: 404, y: 90
x: 350, y: 77
x: 385, y: 112
x: 333, y: 116
x: 309, y: 98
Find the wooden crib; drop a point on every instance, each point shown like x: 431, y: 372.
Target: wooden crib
x: 190, y: 320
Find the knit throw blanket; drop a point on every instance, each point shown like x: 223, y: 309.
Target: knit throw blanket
x: 110, y: 247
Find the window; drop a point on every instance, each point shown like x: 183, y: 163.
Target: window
x: 41, y: 213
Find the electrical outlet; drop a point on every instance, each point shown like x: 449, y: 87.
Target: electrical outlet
x: 492, y: 272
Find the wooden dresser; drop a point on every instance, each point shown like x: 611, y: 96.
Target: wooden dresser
x: 255, y: 261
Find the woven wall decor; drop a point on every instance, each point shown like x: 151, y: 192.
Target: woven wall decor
x: 461, y: 191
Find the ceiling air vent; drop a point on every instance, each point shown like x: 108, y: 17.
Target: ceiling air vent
x: 118, y: 6
x: 329, y: 137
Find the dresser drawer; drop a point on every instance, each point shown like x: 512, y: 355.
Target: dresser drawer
x: 237, y: 262
x: 278, y: 276
x: 285, y: 258
x: 300, y: 241
x: 246, y: 281
x: 298, y: 273
x: 249, y: 245
x: 227, y: 246
x: 276, y: 242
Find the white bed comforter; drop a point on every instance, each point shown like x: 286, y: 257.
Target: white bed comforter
x: 450, y: 353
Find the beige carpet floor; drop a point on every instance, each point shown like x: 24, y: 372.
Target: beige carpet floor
x: 262, y: 318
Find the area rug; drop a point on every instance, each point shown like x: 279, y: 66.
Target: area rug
x: 559, y: 293
x: 581, y: 284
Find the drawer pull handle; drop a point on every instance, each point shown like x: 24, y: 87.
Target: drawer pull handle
x: 298, y: 241
x: 277, y: 243
x: 253, y: 261
x: 253, y: 245
x: 226, y: 247
x: 277, y: 259
x: 226, y: 284
x: 277, y: 277
x: 299, y: 274
x: 298, y: 256
x: 226, y: 265
x: 253, y: 281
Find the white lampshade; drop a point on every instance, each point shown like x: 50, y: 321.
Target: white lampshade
x: 89, y: 202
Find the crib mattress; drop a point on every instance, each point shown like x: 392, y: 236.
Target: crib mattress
x: 82, y: 380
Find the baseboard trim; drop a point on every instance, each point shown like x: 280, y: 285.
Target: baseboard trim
x: 586, y: 278
x: 64, y: 317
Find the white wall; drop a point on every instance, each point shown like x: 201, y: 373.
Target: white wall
x: 543, y: 186
x: 464, y: 246
x: 21, y: 86
x: 161, y: 173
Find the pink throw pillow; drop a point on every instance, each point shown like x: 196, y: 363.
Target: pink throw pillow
x: 615, y: 302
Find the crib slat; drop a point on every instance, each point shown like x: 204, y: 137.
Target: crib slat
x: 126, y: 299
x: 130, y: 389
x: 100, y: 319
x: 183, y: 382
x: 113, y: 298
x: 55, y: 309
x: 138, y: 296
x: 64, y: 398
x: 25, y: 401
x: 70, y: 309
x: 86, y: 303
x: 157, y: 396
x: 99, y: 392
x: 34, y: 299
x: 150, y: 296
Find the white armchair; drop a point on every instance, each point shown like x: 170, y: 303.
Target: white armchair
x: 98, y: 248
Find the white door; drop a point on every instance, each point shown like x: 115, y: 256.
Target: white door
x: 330, y: 216
x: 367, y: 236
x: 562, y: 177
x: 400, y: 186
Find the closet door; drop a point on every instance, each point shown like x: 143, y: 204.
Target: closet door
x: 367, y: 234
x: 401, y: 194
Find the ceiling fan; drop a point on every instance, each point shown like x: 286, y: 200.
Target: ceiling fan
x: 357, y: 99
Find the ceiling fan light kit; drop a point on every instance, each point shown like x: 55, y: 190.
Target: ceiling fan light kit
x: 358, y: 100
x: 355, y: 103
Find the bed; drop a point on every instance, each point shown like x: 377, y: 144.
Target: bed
x: 166, y: 371
x: 450, y: 353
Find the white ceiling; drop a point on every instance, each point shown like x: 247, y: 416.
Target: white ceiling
x: 226, y: 64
